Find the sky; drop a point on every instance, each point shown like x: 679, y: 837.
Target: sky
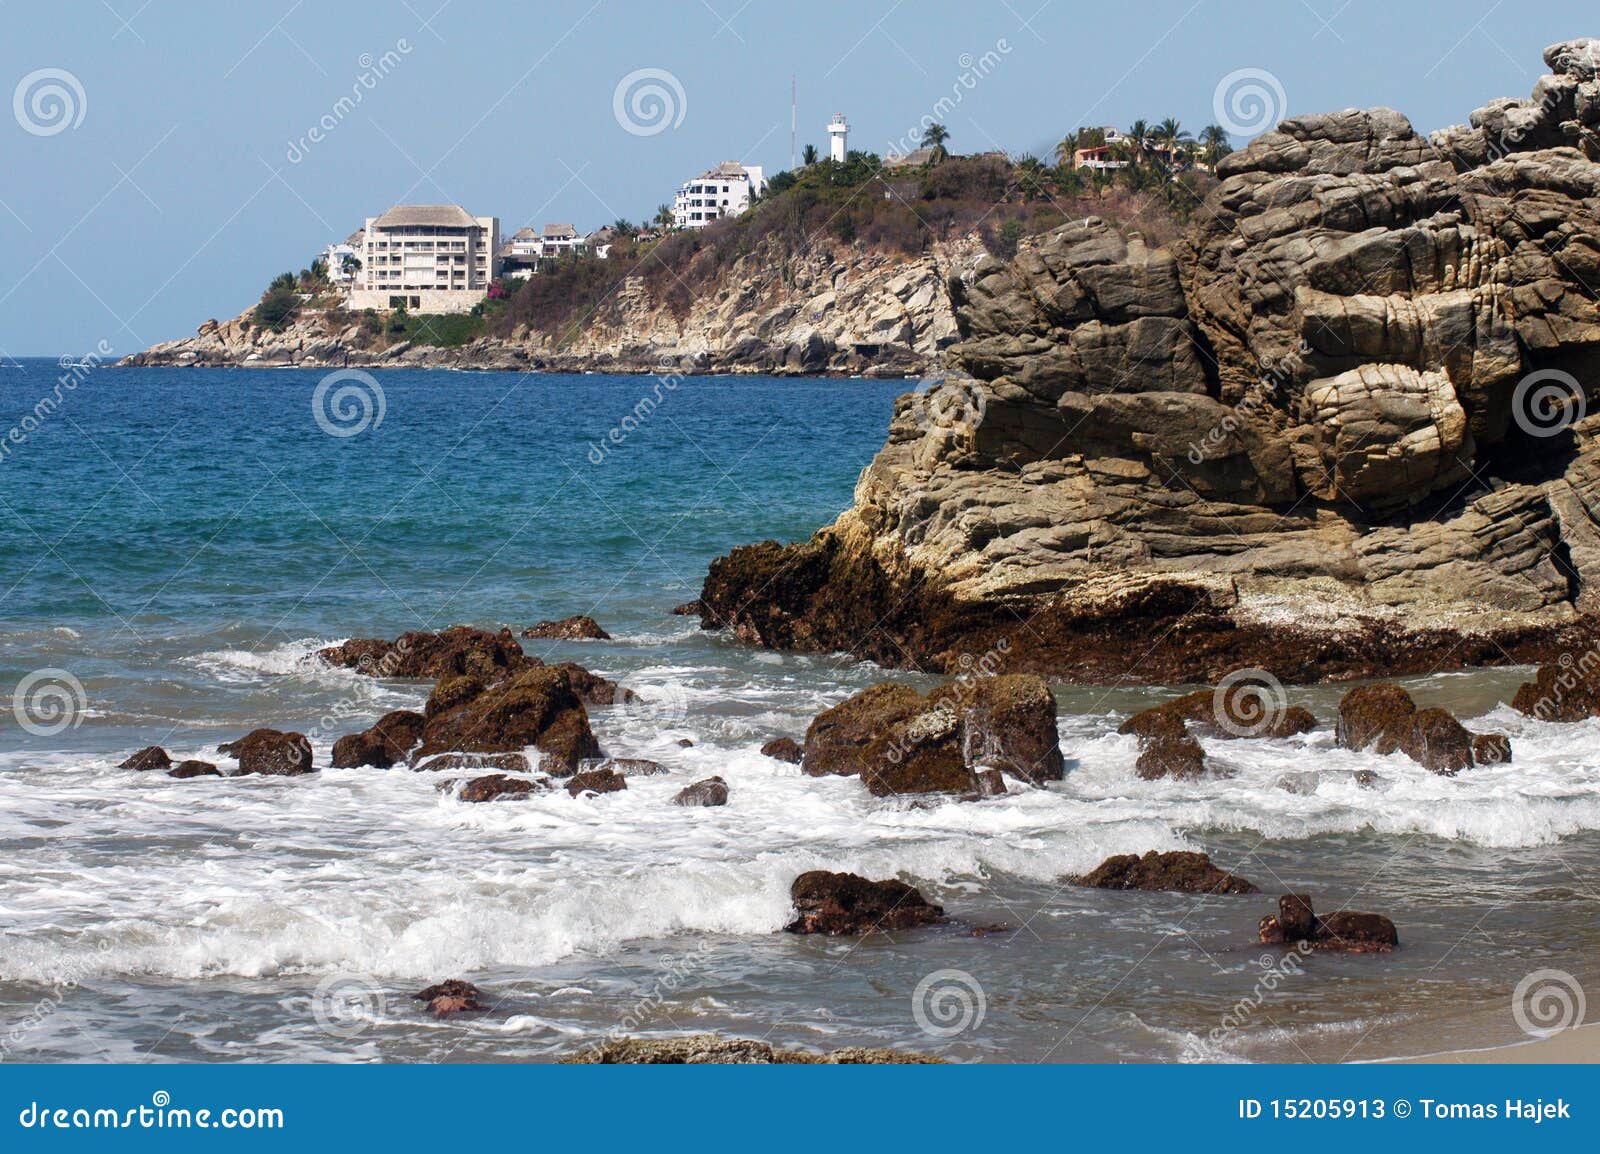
x: 165, y: 159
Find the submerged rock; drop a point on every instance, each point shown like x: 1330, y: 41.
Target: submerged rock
x: 1345, y: 931
x: 1178, y: 757
x: 592, y: 688
x: 622, y: 766
x: 150, y: 757
x: 193, y: 768
x: 454, y: 996
x: 1235, y: 711
x: 387, y: 743
x: 991, y: 783
x: 784, y: 749
x: 1383, y: 718
x: 460, y: 649
x: 899, y: 741
x: 510, y: 762
x: 499, y: 787
x: 1176, y: 871
x: 842, y: 903
x: 711, y: 791
x: 710, y: 1049
x: 596, y: 781
x: 1567, y: 690
x: 271, y: 752
x: 463, y: 651
x: 576, y: 628
x: 535, y: 707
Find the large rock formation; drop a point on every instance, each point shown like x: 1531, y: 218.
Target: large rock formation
x: 1339, y: 427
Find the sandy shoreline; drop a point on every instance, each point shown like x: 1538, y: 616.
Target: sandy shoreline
x: 1579, y: 1045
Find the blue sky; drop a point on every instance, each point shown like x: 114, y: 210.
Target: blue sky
x: 183, y: 179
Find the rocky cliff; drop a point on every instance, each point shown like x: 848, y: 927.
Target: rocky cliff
x: 1340, y: 427
x: 832, y: 309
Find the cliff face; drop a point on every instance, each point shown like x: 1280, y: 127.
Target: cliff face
x: 1341, y: 427
x: 831, y: 310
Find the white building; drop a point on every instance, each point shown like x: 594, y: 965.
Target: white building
x: 344, y: 259
x: 724, y: 191
x: 560, y: 238
x: 838, y: 138
x: 431, y: 258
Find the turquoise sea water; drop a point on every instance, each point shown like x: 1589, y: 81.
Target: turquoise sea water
x: 178, y: 543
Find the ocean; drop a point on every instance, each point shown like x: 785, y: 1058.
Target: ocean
x: 179, y: 542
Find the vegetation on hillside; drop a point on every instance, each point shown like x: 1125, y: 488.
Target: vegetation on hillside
x: 860, y: 204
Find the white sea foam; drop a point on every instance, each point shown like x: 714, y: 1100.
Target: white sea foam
x: 285, y: 659
x: 374, y: 872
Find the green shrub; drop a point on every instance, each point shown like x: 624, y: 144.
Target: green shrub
x: 278, y: 306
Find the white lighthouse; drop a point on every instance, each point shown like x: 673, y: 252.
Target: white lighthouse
x: 838, y: 134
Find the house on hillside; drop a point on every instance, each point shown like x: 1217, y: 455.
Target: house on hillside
x: 725, y: 190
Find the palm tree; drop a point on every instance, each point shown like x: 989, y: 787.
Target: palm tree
x: 1139, y: 137
x: 808, y: 155
x: 622, y: 226
x: 1171, y: 138
x: 664, y: 216
x: 1214, y: 143
x: 933, y: 138
x: 1031, y: 172
x: 1067, y: 147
